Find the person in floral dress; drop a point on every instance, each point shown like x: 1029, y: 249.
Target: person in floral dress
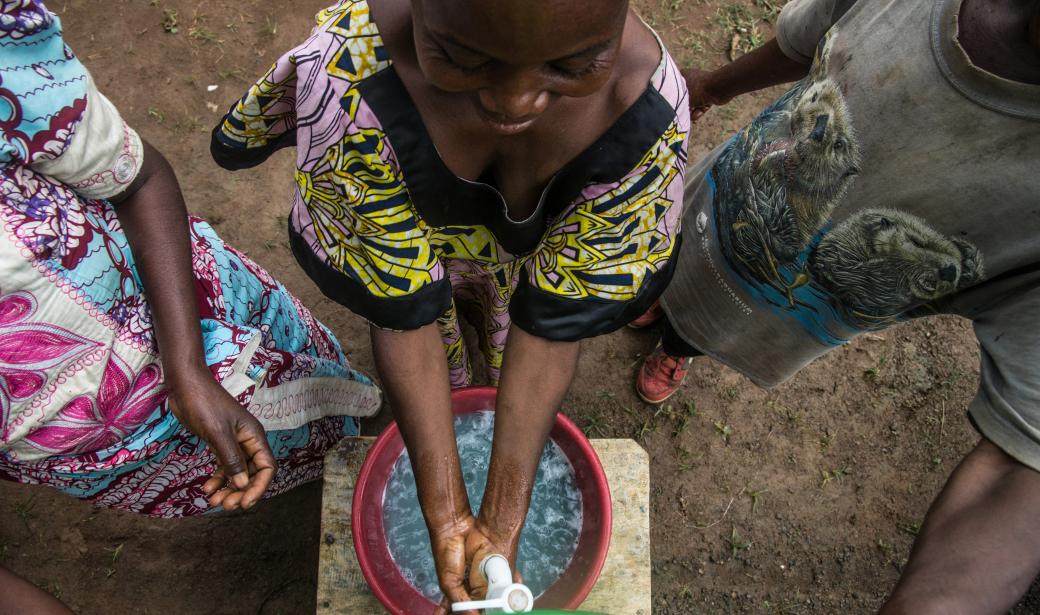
x: 145, y: 365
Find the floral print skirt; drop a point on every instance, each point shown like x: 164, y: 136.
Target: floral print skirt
x: 82, y: 403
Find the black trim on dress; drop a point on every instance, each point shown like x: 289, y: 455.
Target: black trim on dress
x: 412, y: 311
x: 443, y: 199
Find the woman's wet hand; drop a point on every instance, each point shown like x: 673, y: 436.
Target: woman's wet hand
x: 246, y: 465
x: 462, y: 546
x: 449, y: 543
x: 482, y: 542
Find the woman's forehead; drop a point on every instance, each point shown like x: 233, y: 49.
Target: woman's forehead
x: 525, y: 30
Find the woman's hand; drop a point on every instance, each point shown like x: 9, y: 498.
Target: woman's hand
x: 702, y: 94
x: 449, y: 556
x: 246, y: 465
x: 483, y: 541
x: 463, y: 544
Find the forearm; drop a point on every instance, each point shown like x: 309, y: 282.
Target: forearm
x: 762, y: 68
x: 978, y: 550
x: 535, y: 376
x: 414, y: 373
x: 18, y: 596
x: 155, y: 221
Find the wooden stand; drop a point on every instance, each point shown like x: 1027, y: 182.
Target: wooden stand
x: 624, y: 584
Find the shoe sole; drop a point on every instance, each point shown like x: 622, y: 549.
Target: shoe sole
x: 660, y: 401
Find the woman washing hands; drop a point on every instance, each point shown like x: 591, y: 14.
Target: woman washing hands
x: 517, y: 162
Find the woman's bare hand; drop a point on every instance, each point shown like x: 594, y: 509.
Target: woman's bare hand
x: 246, y: 465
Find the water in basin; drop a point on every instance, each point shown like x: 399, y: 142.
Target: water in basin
x: 550, y: 534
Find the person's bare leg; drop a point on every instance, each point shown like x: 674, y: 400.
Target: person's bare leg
x: 979, y: 548
x: 20, y: 597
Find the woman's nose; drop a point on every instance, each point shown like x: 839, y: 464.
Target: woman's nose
x: 515, y: 99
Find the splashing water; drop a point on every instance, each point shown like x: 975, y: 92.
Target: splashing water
x: 550, y: 534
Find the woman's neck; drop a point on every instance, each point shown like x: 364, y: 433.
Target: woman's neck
x: 1003, y: 37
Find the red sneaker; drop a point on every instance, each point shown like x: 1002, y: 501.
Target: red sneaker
x: 648, y: 318
x: 661, y: 375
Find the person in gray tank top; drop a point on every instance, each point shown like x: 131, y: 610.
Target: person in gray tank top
x: 897, y: 179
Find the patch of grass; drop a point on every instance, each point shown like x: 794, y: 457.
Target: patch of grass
x: 156, y: 114
x: 198, y: 31
x: 790, y: 416
x: 116, y: 551
x: 770, y: 9
x: 270, y: 27
x: 886, y: 549
x: 685, y: 458
x: 169, y: 21
x: 741, y: 24
x: 53, y: 588
x: 826, y: 441
x: 595, y: 425
x: 736, y: 543
x: 724, y: 430
x: 24, y: 511
x: 647, y: 427
x: 695, y: 42
x: 233, y: 73
x: 732, y: 392
x: 201, y: 34
x: 835, y: 474
x: 874, y: 373
x: 756, y: 497
x: 681, y: 426
x: 912, y: 528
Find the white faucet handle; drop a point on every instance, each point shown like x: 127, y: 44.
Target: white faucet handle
x: 503, y: 596
x: 477, y: 605
x: 515, y: 599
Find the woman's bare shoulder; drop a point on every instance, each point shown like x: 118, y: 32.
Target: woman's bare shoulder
x: 641, y: 55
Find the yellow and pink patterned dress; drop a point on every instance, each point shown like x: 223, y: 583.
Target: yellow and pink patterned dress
x: 385, y: 228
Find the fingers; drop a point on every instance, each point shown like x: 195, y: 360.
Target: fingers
x: 261, y: 461
x: 455, y: 593
x: 252, y: 468
x: 232, y: 463
x: 477, y: 581
x: 215, y: 483
x: 450, y: 559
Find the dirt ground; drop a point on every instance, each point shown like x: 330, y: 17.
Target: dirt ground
x: 802, y: 499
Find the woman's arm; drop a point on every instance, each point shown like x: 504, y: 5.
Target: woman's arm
x: 414, y: 373
x: 155, y: 220
x: 762, y: 68
x: 536, y: 374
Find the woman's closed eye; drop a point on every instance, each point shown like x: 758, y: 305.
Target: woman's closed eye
x: 578, y: 70
x: 459, y: 58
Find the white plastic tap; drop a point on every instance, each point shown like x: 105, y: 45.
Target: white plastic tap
x: 503, y: 596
